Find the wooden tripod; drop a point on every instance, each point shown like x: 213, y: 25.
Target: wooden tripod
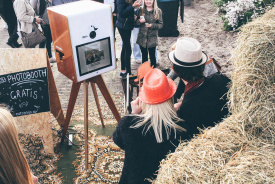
x: 74, y: 93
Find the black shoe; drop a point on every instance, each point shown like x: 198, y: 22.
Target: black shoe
x: 11, y: 45
x: 17, y: 45
x: 123, y: 75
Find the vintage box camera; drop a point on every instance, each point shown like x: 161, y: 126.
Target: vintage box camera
x: 83, y: 39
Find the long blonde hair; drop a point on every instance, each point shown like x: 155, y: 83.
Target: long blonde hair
x: 14, y: 167
x: 158, y: 115
x: 156, y: 9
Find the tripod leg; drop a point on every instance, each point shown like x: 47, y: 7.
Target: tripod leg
x: 97, y: 103
x: 86, y: 122
x: 73, y: 96
x: 105, y: 92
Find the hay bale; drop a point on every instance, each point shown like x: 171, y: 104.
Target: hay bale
x: 241, y: 148
x: 252, y: 92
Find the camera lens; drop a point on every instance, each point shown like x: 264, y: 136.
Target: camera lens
x: 92, y: 34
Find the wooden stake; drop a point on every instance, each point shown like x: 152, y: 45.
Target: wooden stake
x: 86, y: 122
x: 97, y: 103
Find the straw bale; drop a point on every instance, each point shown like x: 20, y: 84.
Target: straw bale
x: 241, y: 148
x: 252, y: 92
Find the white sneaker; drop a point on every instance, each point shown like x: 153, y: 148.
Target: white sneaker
x: 52, y: 60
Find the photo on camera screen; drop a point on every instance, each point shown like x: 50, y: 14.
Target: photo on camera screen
x: 94, y: 56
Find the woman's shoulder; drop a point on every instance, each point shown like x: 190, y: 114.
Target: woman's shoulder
x: 19, y: 3
x: 128, y: 120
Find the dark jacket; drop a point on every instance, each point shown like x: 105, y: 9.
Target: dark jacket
x: 206, y: 105
x: 142, y: 152
x: 125, y: 15
x: 148, y: 37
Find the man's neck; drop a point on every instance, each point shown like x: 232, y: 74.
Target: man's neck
x: 185, y: 82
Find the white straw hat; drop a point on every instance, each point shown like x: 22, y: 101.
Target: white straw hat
x: 188, y: 53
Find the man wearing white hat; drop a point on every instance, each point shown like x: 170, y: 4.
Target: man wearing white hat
x: 204, y: 101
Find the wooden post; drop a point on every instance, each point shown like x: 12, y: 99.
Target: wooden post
x: 73, y: 96
x: 86, y: 122
x: 74, y: 92
x: 97, y: 103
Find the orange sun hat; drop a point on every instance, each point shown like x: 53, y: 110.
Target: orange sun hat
x: 157, y: 88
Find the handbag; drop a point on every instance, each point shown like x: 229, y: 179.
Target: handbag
x: 30, y: 40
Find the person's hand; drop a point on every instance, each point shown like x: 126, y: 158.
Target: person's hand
x: 34, y: 179
x: 177, y: 106
x: 141, y: 20
x: 135, y: 17
x: 136, y: 106
x: 38, y: 20
x: 148, y: 25
x: 114, y: 14
x: 174, y: 46
x: 137, y: 3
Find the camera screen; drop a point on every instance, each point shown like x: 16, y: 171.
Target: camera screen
x: 94, y: 56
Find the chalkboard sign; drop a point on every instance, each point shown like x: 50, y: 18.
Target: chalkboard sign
x: 25, y: 92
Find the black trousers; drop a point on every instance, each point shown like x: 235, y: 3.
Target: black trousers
x: 144, y: 53
x: 114, y: 25
x: 170, y: 17
x: 11, y: 20
x: 126, y: 50
x: 47, y: 33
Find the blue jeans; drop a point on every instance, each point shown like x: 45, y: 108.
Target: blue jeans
x: 136, y: 49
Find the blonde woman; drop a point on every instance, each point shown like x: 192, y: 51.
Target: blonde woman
x: 14, y: 168
x: 150, y: 21
x: 152, y: 132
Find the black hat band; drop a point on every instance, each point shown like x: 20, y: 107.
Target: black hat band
x: 186, y: 63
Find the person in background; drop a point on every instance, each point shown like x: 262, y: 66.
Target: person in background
x: 114, y: 18
x: 25, y: 15
x: 209, y: 69
x: 125, y: 24
x: 150, y: 20
x: 204, y: 98
x: 40, y: 8
x: 151, y: 132
x: 8, y: 15
x: 14, y: 168
x: 136, y: 49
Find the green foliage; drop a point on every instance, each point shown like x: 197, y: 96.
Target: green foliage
x: 227, y: 27
x: 243, y: 16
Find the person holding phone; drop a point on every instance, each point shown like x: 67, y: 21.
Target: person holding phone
x: 151, y: 132
x: 150, y: 21
x: 125, y: 24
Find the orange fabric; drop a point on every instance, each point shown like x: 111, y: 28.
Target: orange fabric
x: 142, y: 71
x: 215, y: 63
x: 157, y: 88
